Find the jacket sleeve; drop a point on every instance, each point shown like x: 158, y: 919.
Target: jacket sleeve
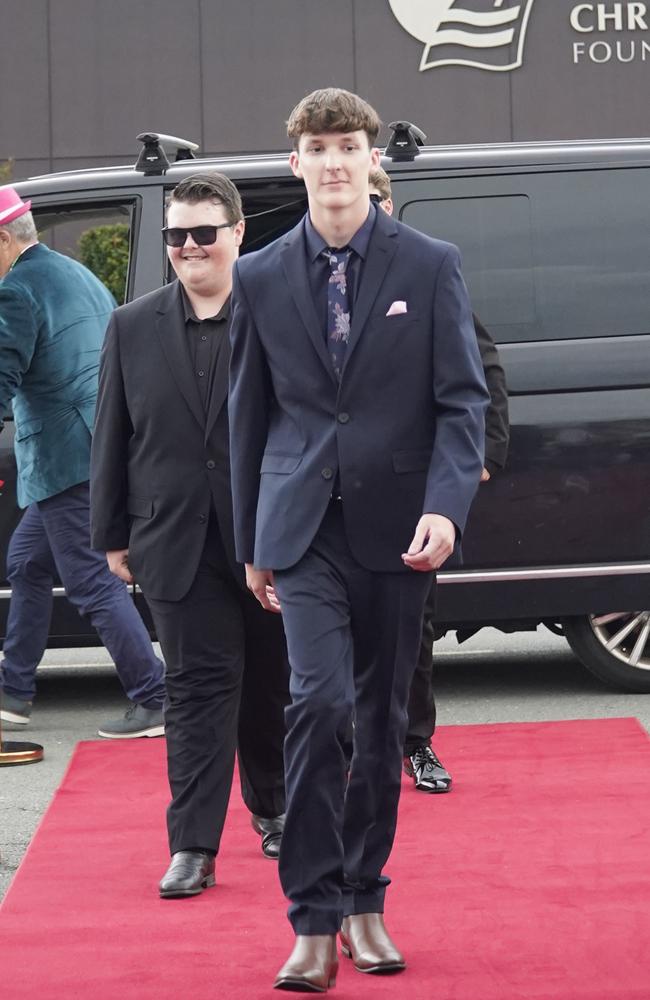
x: 497, y: 424
x: 109, y: 522
x: 248, y: 414
x: 460, y: 399
x: 18, y: 335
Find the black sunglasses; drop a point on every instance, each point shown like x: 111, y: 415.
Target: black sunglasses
x: 203, y: 236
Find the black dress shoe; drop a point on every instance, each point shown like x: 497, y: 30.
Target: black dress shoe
x: 271, y: 833
x: 312, y: 965
x: 366, y: 941
x: 189, y: 874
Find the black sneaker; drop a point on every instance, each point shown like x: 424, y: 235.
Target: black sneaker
x: 14, y: 710
x: 426, y: 770
x: 137, y: 721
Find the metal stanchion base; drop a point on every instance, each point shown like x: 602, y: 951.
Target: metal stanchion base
x: 20, y: 753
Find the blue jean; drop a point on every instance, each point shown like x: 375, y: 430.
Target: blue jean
x: 53, y: 538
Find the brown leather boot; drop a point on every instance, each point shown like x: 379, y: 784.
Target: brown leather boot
x: 366, y: 941
x: 312, y: 965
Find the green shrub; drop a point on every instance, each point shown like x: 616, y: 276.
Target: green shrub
x: 105, y: 251
x: 6, y: 171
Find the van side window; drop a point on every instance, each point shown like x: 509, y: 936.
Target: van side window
x: 271, y: 210
x: 592, y: 273
x: 494, y: 236
x: 547, y: 256
x: 96, y: 234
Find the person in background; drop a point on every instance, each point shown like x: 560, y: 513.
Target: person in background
x: 162, y: 510
x: 420, y: 760
x: 53, y: 315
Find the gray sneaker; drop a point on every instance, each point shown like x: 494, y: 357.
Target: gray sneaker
x: 426, y: 770
x: 13, y: 710
x: 137, y: 721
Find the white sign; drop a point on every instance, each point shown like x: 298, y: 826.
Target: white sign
x: 486, y: 34
x: 622, y: 32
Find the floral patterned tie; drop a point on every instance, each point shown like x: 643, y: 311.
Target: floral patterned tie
x: 338, y: 307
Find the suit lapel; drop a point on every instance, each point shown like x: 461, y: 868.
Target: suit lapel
x: 219, y: 389
x: 381, y: 249
x: 295, y: 269
x: 170, y: 327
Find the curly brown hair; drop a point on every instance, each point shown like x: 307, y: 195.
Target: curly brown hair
x: 380, y: 180
x: 333, y: 110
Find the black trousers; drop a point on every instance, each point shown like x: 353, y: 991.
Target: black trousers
x: 422, y: 703
x: 353, y: 638
x: 227, y: 688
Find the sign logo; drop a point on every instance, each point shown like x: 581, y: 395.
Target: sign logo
x: 486, y: 34
x: 621, y: 29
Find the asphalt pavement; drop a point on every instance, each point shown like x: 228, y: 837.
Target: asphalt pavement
x: 491, y: 678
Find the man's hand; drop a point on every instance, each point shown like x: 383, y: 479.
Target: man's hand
x: 433, y: 542
x: 118, y: 563
x: 260, y: 583
x: 485, y: 476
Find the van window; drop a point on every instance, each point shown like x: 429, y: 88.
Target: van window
x: 97, y: 235
x: 495, y: 238
x: 271, y: 210
x: 547, y: 256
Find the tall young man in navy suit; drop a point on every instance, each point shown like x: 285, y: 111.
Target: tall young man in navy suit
x: 357, y: 426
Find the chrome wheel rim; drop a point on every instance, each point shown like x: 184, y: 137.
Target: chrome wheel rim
x: 624, y: 635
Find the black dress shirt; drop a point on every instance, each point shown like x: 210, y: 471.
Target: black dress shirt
x: 205, y: 339
x: 318, y: 267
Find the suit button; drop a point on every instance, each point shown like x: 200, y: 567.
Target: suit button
x: 327, y: 473
x: 343, y: 418
x: 210, y: 464
x: 202, y: 518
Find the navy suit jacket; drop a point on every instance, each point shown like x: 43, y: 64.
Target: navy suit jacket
x: 405, y: 427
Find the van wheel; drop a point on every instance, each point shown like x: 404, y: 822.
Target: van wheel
x: 615, y: 646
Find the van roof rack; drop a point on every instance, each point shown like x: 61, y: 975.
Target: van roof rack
x: 153, y: 155
x: 404, y: 144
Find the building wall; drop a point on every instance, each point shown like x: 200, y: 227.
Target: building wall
x: 80, y: 78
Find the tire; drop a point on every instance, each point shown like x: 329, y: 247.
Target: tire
x: 615, y: 646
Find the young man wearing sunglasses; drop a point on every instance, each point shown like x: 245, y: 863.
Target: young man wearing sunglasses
x: 162, y: 511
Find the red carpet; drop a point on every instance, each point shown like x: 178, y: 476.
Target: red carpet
x: 530, y: 880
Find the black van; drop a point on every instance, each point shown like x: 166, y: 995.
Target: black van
x: 555, y: 239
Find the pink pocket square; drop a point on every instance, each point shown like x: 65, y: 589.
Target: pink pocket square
x: 397, y: 308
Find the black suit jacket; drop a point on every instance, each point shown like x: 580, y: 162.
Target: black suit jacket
x: 158, y: 463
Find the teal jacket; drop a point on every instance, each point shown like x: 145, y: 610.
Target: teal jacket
x: 53, y: 316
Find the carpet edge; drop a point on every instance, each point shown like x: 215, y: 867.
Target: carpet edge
x: 44, y: 816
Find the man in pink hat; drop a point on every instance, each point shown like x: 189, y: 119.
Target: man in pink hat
x: 12, y: 206
x: 53, y: 316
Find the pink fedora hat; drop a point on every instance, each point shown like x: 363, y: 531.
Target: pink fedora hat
x: 11, y: 205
